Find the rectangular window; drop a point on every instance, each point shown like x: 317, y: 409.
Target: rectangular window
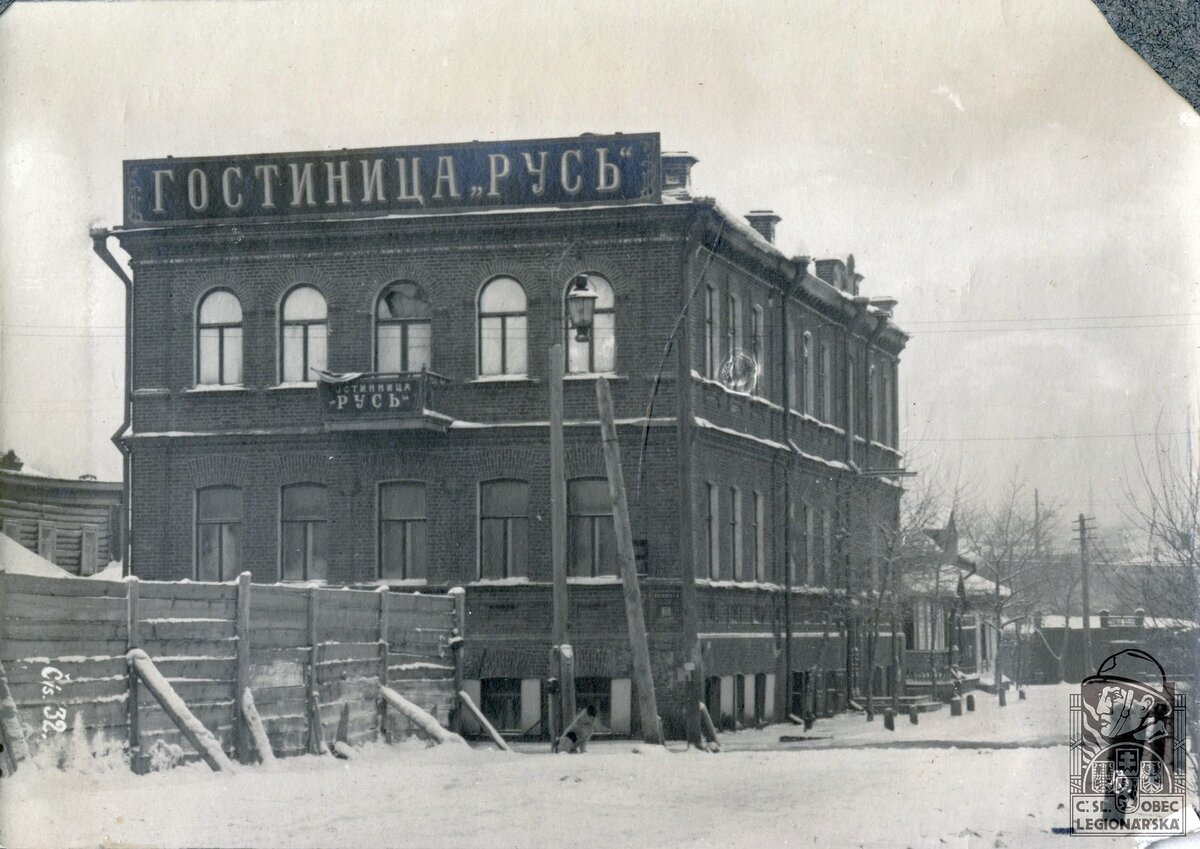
x: 827, y: 548
x: 12, y: 529
x: 826, y: 366
x: 806, y: 365
x: 89, y: 554
x: 503, y: 529
x: 712, y: 333
x: 713, y: 527
x: 810, y: 547
x: 851, y: 405
x: 793, y: 366
x: 47, y: 541
x: 402, y: 531
x: 218, y: 533
x: 735, y: 531
x: 597, y: 692
x: 760, y: 538
x: 592, y: 542
x: 733, y: 331
x: 304, y: 532
x: 500, y: 702
x: 759, y: 340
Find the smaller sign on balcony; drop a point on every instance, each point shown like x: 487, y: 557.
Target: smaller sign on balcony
x: 371, y: 400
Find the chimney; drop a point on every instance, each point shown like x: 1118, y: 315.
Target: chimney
x: 764, y: 221
x: 677, y: 171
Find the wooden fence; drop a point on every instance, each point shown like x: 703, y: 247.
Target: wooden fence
x: 306, y: 654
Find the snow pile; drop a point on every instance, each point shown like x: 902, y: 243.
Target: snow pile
x: 19, y: 560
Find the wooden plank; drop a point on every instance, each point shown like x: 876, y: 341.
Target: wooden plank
x: 20, y: 671
x: 422, y: 619
x: 190, y: 648
x: 420, y: 671
x: 210, y: 716
x: 402, y: 603
x: 224, y: 669
x: 272, y: 600
x: 85, y: 608
x: 199, y: 690
x: 278, y: 637
x: 364, y: 690
x: 53, y: 650
x: 95, y: 714
x: 73, y: 690
x: 283, y: 673
x: 187, y: 629
x: 349, y: 635
x: 62, y: 629
x: 176, y: 590
x: 165, y: 608
x: 33, y: 585
x: 349, y: 601
x: 471, y: 708
x: 350, y: 651
x: 346, y: 670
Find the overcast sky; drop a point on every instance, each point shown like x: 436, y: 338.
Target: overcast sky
x: 1014, y: 174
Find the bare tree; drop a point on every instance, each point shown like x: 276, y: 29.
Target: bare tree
x: 1007, y: 534
x: 1163, y: 502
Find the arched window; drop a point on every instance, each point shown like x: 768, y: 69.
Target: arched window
x: 402, y: 329
x: 303, y: 335
x: 502, y: 328
x: 599, y: 353
x: 592, y: 542
x: 218, y: 533
x: 304, y: 532
x: 503, y: 528
x: 402, y: 530
x: 219, y: 339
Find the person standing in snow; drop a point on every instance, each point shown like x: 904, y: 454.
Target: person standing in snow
x: 575, y: 738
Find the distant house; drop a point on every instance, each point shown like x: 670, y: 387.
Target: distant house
x: 75, y: 524
x: 949, y: 623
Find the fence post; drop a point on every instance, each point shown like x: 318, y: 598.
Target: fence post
x: 136, y: 761
x: 316, y: 741
x: 460, y: 626
x: 384, y: 606
x: 242, y: 741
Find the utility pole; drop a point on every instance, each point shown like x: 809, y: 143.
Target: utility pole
x: 1087, y: 609
x: 562, y: 655
x: 639, y: 647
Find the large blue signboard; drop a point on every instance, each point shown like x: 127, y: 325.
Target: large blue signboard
x: 453, y: 177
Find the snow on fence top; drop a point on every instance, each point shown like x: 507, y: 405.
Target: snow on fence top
x: 305, y: 652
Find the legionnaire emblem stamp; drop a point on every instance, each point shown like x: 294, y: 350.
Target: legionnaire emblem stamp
x: 1128, y: 750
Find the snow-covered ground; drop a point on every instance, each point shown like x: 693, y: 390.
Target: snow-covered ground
x: 618, y: 794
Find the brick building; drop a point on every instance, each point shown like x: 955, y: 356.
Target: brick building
x: 432, y: 282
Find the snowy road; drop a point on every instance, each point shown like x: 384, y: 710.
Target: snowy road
x: 973, y: 796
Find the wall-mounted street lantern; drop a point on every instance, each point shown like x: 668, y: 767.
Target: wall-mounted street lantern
x: 581, y: 307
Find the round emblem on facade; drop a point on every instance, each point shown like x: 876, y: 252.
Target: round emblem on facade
x: 739, y: 372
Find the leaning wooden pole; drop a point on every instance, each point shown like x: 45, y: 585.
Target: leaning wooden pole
x: 255, y: 732
x: 472, y: 709
x: 199, y: 736
x: 16, y: 747
x: 415, y: 714
x: 639, y: 646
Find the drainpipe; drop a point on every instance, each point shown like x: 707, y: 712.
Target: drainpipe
x: 100, y: 246
x: 688, y: 596
x: 800, y: 269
